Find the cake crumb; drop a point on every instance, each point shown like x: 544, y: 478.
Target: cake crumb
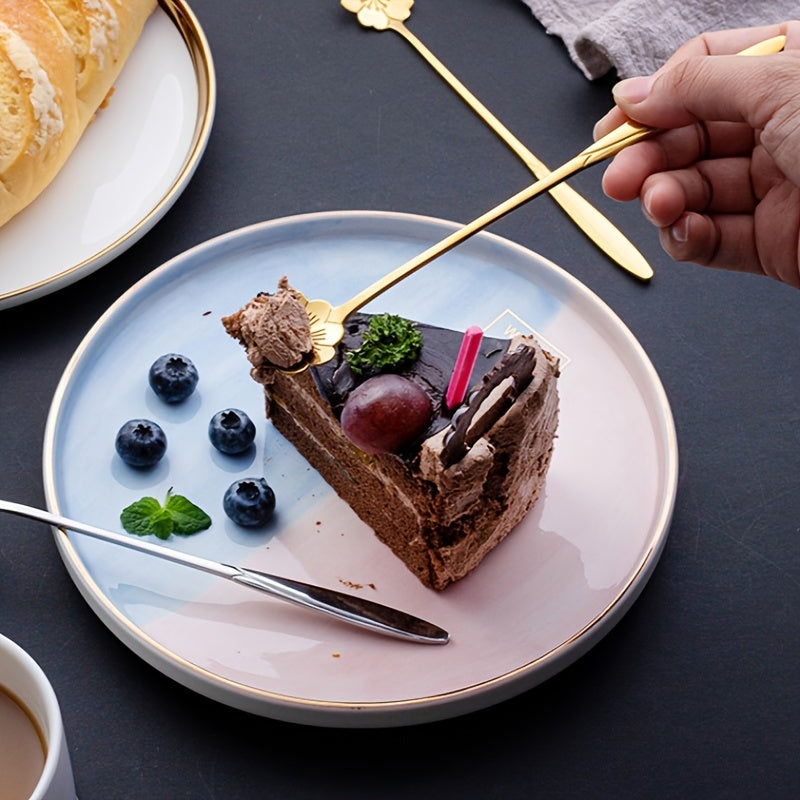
x: 351, y: 584
x: 336, y: 655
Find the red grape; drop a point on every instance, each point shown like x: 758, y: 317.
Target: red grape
x: 386, y: 413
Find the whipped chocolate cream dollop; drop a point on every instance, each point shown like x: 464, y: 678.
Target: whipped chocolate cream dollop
x: 274, y: 330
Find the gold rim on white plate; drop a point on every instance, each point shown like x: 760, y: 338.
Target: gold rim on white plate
x: 188, y: 26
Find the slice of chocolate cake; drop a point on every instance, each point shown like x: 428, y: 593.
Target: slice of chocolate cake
x: 454, y: 482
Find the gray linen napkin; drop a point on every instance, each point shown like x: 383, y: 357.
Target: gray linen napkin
x: 637, y: 36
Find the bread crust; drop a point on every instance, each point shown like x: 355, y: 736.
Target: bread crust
x: 58, y: 61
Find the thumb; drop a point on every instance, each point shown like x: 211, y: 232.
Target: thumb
x: 711, y: 88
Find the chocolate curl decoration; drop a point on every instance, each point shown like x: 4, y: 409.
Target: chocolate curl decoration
x: 517, y: 365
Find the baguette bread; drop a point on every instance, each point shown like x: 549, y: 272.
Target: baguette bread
x: 59, y: 60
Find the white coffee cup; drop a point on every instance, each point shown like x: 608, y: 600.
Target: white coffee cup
x: 23, y: 677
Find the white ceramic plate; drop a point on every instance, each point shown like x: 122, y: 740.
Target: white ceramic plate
x: 128, y: 169
x: 540, y: 600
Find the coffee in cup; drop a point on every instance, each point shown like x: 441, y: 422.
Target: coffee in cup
x: 34, y: 762
x: 22, y: 748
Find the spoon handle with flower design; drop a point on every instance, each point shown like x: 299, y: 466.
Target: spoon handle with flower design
x: 623, y: 136
x: 326, y: 321
x: 588, y: 218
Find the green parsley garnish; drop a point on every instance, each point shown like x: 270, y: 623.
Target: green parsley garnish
x: 178, y: 515
x: 388, y: 343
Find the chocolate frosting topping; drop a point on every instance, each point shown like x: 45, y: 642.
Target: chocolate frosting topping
x: 431, y: 372
x: 274, y: 329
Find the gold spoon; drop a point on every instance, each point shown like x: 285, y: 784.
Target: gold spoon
x: 594, y: 224
x: 327, y: 321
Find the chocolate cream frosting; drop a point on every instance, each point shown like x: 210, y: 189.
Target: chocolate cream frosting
x: 274, y: 330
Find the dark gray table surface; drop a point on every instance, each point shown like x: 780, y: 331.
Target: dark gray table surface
x: 695, y: 692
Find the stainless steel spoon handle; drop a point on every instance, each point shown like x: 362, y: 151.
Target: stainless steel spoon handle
x: 345, y: 607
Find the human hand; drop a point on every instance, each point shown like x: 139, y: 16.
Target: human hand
x: 722, y: 179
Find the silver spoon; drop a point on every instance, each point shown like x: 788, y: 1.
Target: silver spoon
x: 348, y: 608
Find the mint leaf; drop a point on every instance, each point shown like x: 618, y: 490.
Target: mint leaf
x: 178, y: 515
x: 161, y: 523
x: 186, y: 516
x: 137, y: 516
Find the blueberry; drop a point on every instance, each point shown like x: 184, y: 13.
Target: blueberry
x: 141, y: 443
x: 231, y: 431
x: 173, y: 377
x: 249, y: 502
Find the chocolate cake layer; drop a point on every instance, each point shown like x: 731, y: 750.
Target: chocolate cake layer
x: 440, y: 521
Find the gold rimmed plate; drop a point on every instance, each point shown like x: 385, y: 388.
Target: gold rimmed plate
x: 130, y: 166
x: 541, y: 599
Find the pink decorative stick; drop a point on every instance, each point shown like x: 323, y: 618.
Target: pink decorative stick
x: 462, y: 372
